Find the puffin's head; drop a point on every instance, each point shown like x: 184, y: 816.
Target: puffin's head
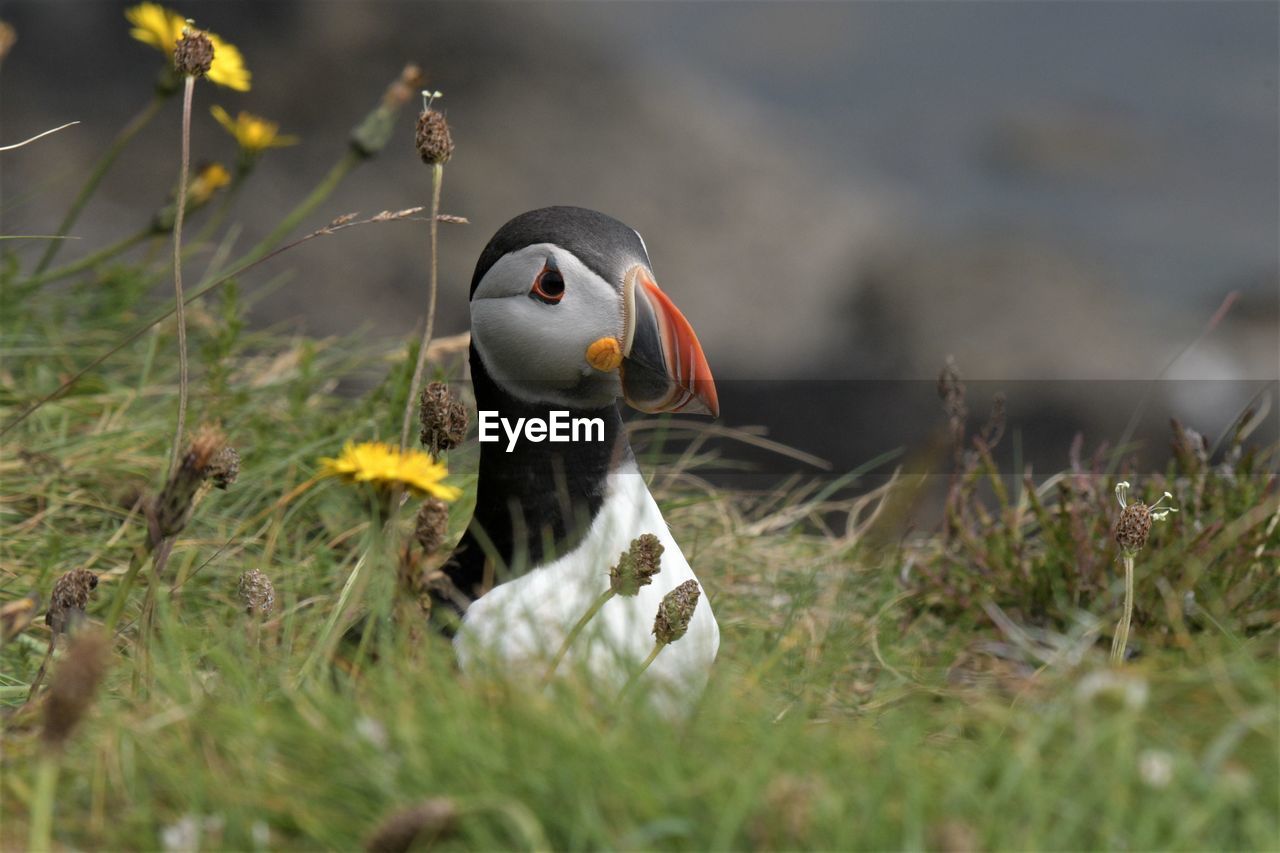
x: 565, y: 310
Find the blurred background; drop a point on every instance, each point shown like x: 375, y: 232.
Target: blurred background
x: 838, y: 196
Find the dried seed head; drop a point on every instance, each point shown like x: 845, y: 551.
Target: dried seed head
x: 173, y: 507
x: 257, y: 593
x: 434, y: 142
x: 70, y: 598
x: 1134, y: 527
x: 193, y: 54
x: 637, y: 565
x: 444, y: 419
x: 675, y: 611
x: 428, y: 821
x: 225, y: 467
x: 432, y: 524
x: 73, y: 686
x: 1135, y: 518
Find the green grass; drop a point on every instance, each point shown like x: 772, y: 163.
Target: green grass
x: 849, y: 709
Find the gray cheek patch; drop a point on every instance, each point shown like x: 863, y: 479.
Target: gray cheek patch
x: 534, y: 348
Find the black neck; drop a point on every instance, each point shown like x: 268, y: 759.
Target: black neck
x: 536, y: 501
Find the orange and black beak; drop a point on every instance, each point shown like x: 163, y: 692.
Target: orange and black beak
x: 663, y: 368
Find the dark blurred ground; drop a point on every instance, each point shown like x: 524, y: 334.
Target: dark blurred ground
x: 1059, y: 195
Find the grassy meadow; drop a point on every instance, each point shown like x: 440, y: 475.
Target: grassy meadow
x: 945, y: 689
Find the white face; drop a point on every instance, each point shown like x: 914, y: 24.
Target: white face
x: 533, y: 334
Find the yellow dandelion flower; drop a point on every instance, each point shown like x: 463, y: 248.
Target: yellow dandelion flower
x: 386, y: 467
x: 208, y: 181
x: 161, y: 28
x: 228, y: 66
x: 253, y: 134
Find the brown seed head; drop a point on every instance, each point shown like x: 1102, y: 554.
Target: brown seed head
x: 173, y: 507
x: 432, y: 524
x: 428, y: 821
x: 435, y: 143
x: 444, y: 419
x: 225, y: 467
x: 1134, y: 527
x: 257, y: 594
x: 70, y: 598
x: 637, y: 565
x: 371, y: 134
x: 675, y: 611
x: 193, y: 54
x: 73, y: 686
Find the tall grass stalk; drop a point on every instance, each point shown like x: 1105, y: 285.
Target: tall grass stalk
x: 635, y: 676
x: 188, y: 92
x: 1121, y: 639
x: 40, y: 832
x: 90, y: 260
x: 437, y: 176
x: 575, y: 631
x: 348, y: 599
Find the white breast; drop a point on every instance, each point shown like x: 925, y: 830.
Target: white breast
x: 519, y: 625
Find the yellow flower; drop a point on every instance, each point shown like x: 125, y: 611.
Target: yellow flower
x: 161, y: 28
x: 208, y: 181
x: 253, y: 133
x: 386, y: 467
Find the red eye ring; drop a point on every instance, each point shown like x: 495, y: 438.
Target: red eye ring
x: 548, y: 287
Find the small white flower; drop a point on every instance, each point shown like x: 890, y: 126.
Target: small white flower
x: 1130, y: 690
x: 1155, y: 767
x: 183, y: 835
x: 372, y: 731
x: 1159, y: 513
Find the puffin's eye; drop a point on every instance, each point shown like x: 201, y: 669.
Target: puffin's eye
x: 548, y: 287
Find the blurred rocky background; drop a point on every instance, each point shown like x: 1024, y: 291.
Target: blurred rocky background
x: 839, y: 196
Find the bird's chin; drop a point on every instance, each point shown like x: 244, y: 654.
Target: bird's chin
x: 588, y: 391
x: 596, y: 390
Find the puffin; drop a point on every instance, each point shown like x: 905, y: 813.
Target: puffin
x: 567, y: 319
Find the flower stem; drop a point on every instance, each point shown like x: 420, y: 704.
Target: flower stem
x: 322, y: 191
x: 575, y: 631
x: 40, y: 831
x: 188, y: 92
x: 626, y: 688
x: 348, y: 599
x: 1121, y: 639
x: 90, y: 260
x: 130, y: 130
x: 437, y: 175
x: 122, y: 592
